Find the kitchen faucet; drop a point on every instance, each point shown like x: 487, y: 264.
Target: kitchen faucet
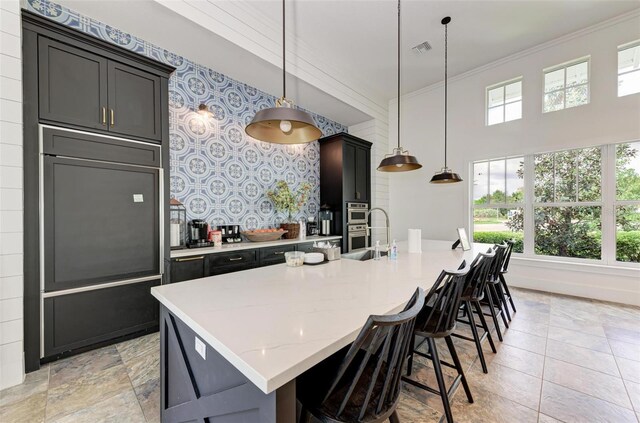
x: 387, y: 225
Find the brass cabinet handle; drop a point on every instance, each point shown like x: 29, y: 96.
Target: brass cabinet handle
x: 104, y: 116
x: 113, y: 120
x: 278, y: 252
x: 235, y: 258
x: 190, y: 258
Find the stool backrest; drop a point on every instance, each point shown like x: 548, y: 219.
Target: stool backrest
x: 507, y: 257
x: 443, y: 300
x: 368, y: 380
x: 479, y: 269
x: 501, y: 252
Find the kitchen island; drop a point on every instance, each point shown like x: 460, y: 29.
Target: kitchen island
x: 232, y: 345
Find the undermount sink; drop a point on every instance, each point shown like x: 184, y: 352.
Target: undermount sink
x: 361, y: 255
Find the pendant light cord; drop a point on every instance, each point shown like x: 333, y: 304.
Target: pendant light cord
x: 284, y: 52
x: 445, y: 94
x: 398, y: 74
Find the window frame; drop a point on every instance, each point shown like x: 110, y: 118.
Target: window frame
x: 608, y: 203
x: 626, y: 46
x: 504, y: 104
x: 564, y: 66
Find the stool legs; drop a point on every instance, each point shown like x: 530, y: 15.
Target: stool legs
x: 492, y: 311
x: 483, y: 322
x: 442, y: 387
x: 476, y: 336
x: 456, y: 361
x: 506, y: 288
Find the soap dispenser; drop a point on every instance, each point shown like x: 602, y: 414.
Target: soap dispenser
x: 376, y: 252
x: 393, y: 254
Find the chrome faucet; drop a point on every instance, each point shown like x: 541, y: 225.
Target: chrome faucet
x: 387, y: 225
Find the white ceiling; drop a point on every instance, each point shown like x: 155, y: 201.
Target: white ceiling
x: 359, y: 38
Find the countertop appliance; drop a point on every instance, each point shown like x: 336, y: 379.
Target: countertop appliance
x: 326, y: 220
x: 357, y: 213
x: 230, y: 233
x: 312, y: 226
x: 198, y: 233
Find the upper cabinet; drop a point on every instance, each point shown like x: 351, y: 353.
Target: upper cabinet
x: 81, y: 89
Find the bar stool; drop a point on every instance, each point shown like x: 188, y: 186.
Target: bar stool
x: 492, y: 296
x: 472, y: 294
x: 361, y: 383
x: 503, y: 282
x: 438, y: 320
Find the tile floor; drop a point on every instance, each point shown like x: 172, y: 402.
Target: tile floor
x: 564, y: 359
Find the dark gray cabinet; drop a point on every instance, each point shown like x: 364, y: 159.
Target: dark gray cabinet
x: 274, y: 255
x: 72, y: 85
x: 85, y: 90
x: 234, y: 261
x: 187, y: 268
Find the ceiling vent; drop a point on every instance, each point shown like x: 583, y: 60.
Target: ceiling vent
x: 422, y: 48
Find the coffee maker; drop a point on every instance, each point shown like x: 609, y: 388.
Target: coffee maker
x: 312, y: 226
x: 198, y: 233
x: 325, y: 216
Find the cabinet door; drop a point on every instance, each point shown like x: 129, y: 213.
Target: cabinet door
x: 349, y: 172
x: 134, y: 102
x: 72, y: 85
x: 187, y: 268
x: 274, y: 255
x: 362, y: 173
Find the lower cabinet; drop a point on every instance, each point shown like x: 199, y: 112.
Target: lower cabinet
x: 221, y: 263
x: 306, y: 247
x: 274, y: 255
x: 187, y: 268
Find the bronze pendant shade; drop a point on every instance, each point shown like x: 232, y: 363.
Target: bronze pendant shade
x: 446, y: 175
x: 283, y: 124
x: 400, y: 160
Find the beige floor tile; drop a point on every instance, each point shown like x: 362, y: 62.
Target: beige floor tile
x: 139, y: 346
x: 625, y: 349
x: 411, y: 410
x: 508, y: 383
x: 518, y: 359
x: 143, y: 368
x: 584, y: 357
x: 34, y: 383
x: 543, y: 418
x: 149, y: 398
x: 571, y: 406
x: 27, y: 410
x: 590, y: 382
x: 579, y: 339
x: 488, y: 407
x: 533, y: 328
x: 634, y: 394
x: 119, y: 408
x: 71, y: 369
x: 631, y: 336
x: 525, y: 341
x: 86, y: 391
x: 529, y: 294
x: 629, y: 369
x: 584, y: 326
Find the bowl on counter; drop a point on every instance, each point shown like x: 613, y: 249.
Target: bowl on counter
x: 294, y: 258
x: 263, y: 236
x: 313, y: 258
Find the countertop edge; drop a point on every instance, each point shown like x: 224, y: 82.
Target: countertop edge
x: 248, y: 245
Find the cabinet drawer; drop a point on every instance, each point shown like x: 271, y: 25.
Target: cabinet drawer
x: 187, y: 268
x: 307, y: 247
x: 274, y: 255
x: 233, y: 259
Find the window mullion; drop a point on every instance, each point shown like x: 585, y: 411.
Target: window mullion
x: 608, y: 207
x: 529, y: 173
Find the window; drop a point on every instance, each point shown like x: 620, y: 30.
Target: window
x: 504, y: 102
x: 574, y: 205
x: 566, y: 86
x: 498, y: 197
x: 629, y: 69
x: 568, y: 203
x: 627, y: 204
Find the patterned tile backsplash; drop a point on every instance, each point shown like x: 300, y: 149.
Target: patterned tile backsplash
x: 218, y: 172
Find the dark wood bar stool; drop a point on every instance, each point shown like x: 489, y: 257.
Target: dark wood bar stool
x: 503, y: 282
x: 492, y: 291
x: 472, y: 294
x: 361, y: 383
x: 438, y: 320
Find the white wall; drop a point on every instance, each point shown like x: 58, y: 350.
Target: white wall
x: 11, y: 331
x: 439, y: 209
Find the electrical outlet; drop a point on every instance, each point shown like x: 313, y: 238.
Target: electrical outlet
x: 201, y: 348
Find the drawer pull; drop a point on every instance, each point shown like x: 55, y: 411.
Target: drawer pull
x: 235, y: 258
x: 278, y: 253
x: 190, y: 258
x: 113, y: 120
x: 104, y: 116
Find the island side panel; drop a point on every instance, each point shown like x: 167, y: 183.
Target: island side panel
x: 195, y: 389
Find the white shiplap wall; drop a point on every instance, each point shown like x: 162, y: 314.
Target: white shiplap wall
x: 11, y: 254
x: 377, y: 132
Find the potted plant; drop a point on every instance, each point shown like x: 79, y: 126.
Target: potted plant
x: 288, y: 201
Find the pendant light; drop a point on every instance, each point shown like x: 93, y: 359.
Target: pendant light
x: 283, y: 124
x: 446, y: 175
x: 400, y: 160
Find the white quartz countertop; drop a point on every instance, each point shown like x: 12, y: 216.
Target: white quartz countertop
x: 247, y: 245
x: 275, y: 322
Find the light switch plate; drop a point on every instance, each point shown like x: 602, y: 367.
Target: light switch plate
x: 201, y: 348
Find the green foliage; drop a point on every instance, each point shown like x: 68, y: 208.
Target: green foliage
x: 498, y: 237
x: 285, y: 200
x: 568, y: 232
x: 628, y: 246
